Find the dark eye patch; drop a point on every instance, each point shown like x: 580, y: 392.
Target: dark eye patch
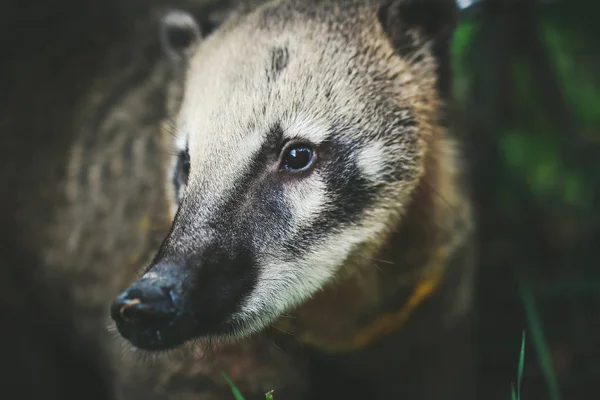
x: 182, y: 171
x: 349, y: 193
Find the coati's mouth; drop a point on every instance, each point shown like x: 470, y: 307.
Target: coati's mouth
x: 166, y: 308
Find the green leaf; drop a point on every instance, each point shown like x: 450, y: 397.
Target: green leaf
x: 236, y: 393
x: 516, y: 394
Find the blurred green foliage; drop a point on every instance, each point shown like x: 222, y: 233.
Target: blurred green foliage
x: 527, y: 74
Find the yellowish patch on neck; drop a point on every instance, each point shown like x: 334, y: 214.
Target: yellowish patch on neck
x: 384, y: 324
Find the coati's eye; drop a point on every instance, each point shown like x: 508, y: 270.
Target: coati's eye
x: 297, y: 158
x: 182, y: 170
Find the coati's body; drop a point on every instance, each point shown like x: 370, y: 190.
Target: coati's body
x: 104, y: 212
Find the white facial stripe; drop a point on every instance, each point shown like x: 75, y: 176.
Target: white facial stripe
x: 306, y: 200
x: 150, y: 275
x: 371, y: 161
x: 181, y: 142
x: 284, y: 285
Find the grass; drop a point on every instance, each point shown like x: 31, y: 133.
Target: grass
x: 516, y: 395
x: 237, y: 394
x: 538, y: 340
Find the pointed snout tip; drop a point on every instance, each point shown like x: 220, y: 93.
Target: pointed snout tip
x: 127, y: 305
x: 145, y: 304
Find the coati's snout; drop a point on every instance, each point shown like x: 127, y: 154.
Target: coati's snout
x: 182, y: 297
x: 150, y: 312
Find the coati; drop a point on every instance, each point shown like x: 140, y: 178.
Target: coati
x: 317, y: 204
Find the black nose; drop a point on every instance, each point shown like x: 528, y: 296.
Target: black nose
x: 146, y: 304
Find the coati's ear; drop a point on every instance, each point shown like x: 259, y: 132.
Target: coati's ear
x: 431, y: 19
x: 412, y: 23
x: 179, y: 34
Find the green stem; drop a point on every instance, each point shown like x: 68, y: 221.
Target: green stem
x: 538, y: 339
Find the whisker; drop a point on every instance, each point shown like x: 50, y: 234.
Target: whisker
x: 282, y: 330
x: 452, y: 206
x: 281, y: 351
x: 376, y: 259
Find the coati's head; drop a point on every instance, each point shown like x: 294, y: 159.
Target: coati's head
x: 301, y: 137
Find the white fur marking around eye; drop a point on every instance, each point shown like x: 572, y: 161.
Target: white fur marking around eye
x: 306, y: 200
x: 304, y: 127
x: 180, y: 142
x: 371, y: 161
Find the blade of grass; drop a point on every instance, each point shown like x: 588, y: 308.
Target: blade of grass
x: 537, y: 338
x: 521, y: 365
x: 516, y: 394
x: 236, y: 393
